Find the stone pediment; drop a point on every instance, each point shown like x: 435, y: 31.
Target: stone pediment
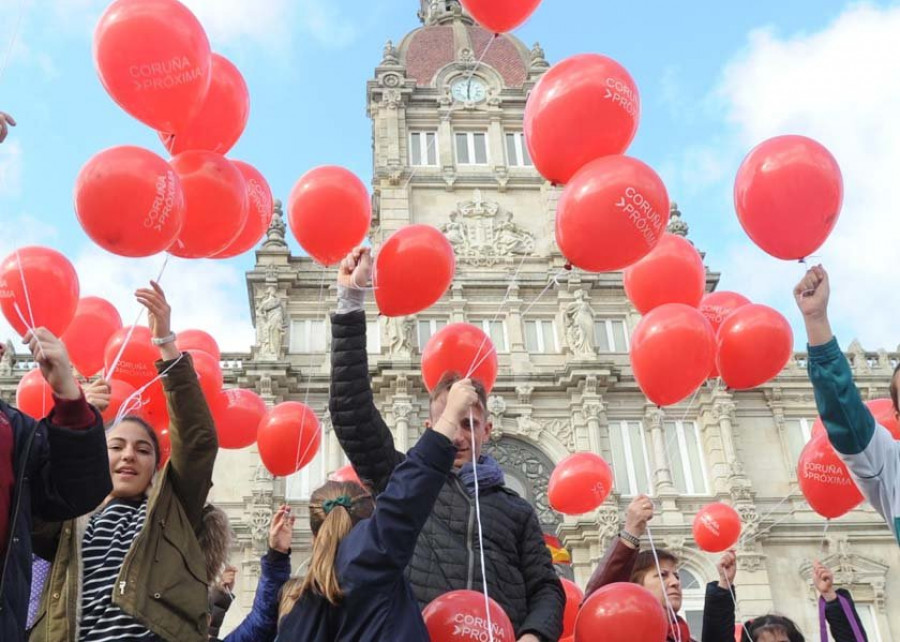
x: 484, y: 234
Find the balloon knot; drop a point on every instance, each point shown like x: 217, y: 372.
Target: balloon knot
x: 568, y: 266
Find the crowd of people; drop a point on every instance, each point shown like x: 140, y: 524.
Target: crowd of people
x: 122, y: 549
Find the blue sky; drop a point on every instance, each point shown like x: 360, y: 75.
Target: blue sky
x: 715, y: 78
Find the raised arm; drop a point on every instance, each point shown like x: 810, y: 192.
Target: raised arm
x: 361, y: 430
x: 191, y: 428
x: 840, y: 611
x: 69, y: 466
x: 719, y: 607
x: 617, y: 564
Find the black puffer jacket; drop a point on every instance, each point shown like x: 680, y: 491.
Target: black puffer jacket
x: 518, y: 565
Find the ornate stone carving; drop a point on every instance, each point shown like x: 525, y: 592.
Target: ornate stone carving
x: 8, y: 359
x: 265, y: 387
x: 857, y: 355
x: 402, y: 385
x: 591, y: 385
x: 389, y: 55
x: 260, y: 508
x: 523, y: 393
x: 724, y: 408
x: 607, y: 524
x: 676, y: 225
x: 563, y: 431
x: 884, y: 361
x: 277, y: 229
x: 528, y: 427
x: 538, y: 61
x: 496, y: 407
x: 400, y: 336
x: 402, y: 409
x: 593, y: 409
x: 270, y: 326
x: 391, y: 98
x: 579, y: 323
x: 481, y: 234
x: 853, y: 571
x: 532, y: 468
x: 653, y: 417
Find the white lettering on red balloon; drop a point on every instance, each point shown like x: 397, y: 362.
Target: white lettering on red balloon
x: 715, y: 313
x: 645, y: 218
x: 469, y: 627
x: 826, y: 474
x: 258, y: 198
x: 132, y: 369
x: 5, y: 291
x: 163, y: 202
x: 621, y: 94
x: 710, y: 524
x: 165, y: 74
x: 599, y: 490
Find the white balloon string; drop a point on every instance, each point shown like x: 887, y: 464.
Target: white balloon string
x: 15, y: 36
x: 484, y: 582
x: 134, y: 401
x: 670, y: 612
x: 737, y: 610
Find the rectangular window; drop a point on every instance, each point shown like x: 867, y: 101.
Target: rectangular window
x: 796, y: 435
x: 496, y: 330
x: 868, y: 617
x: 517, y: 150
x: 471, y: 148
x: 631, y: 464
x: 686, y: 455
x: 540, y: 336
x: 610, y: 335
x: 373, y: 337
x: 307, y: 336
x: 423, y: 148
x: 426, y: 328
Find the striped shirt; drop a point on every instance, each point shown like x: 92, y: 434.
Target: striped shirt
x: 107, y: 539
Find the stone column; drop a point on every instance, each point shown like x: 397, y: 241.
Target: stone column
x: 662, y: 474
x: 401, y: 409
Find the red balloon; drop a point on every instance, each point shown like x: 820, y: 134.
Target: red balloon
x: 209, y: 372
x: 137, y: 364
x: 460, y: 616
x: 788, y: 195
x: 216, y: 204
x: 500, y: 16
x: 612, y: 213
x: 715, y: 306
x: 288, y: 438
x: 672, y: 351
x: 119, y: 392
x: 574, y: 598
x: 198, y: 340
x: 581, y: 109
x: 755, y: 343
x: 673, y: 272
x: 345, y: 474
x: 329, y: 211
x: 237, y: 413
x: 457, y: 348
x: 222, y: 117
x: 34, y: 396
x: 717, y: 527
x: 96, y: 320
x: 43, y: 285
x: 825, y: 480
x: 154, y: 407
x: 153, y: 59
x: 413, y: 269
x: 129, y: 201
x: 883, y: 412
x: 262, y: 206
x: 621, y: 612
x: 579, y: 484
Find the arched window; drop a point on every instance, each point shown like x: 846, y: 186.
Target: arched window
x: 694, y: 592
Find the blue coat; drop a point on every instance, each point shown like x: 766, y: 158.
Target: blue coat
x: 261, y: 624
x: 378, y: 601
x: 60, y: 474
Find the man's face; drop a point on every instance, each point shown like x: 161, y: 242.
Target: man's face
x: 669, y: 584
x: 480, y: 429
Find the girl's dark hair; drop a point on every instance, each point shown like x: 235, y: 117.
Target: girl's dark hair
x: 150, y: 433
x: 771, y: 623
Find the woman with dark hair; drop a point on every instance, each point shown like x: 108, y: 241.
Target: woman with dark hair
x: 355, y: 588
x: 134, y: 570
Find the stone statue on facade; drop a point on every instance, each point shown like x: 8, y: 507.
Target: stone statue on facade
x: 676, y: 224
x: 538, y: 59
x: 400, y: 336
x: 509, y: 239
x: 389, y: 57
x: 270, y: 325
x: 275, y: 234
x: 579, y: 323
x: 482, y: 234
x: 8, y: 360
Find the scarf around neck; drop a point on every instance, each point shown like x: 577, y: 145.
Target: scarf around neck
x: 490, y: 475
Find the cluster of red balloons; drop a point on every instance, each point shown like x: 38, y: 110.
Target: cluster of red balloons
x: 788, y: 195
x: 154, y: 59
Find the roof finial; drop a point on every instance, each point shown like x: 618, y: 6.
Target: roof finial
x: 676, y: 224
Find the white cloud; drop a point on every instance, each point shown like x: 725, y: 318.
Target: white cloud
x: 10, y: 166
x: 839, y: 87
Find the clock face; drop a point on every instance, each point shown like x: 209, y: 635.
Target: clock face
x: 468, y: 90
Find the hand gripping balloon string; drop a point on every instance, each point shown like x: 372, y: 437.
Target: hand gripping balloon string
x: 737, y: 609
x: 484, y: 582
x: 109, y: 373
x: 670, y: 612
x: 135, y: 401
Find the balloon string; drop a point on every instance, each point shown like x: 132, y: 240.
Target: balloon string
x: 670, y: 612
x: 737, y: 610
x: 484, y: 582
x: 109, y: 372
x: 134, y: 401
x: 771, y: 526
x: 28, y: 326
x: 12, y: 42
x: 825, y: 536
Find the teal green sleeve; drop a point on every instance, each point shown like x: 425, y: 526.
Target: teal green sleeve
x: 848, y: 421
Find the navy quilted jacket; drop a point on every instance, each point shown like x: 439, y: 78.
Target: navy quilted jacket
x: 519, y: 568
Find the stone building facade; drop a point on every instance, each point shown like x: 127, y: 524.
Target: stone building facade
x: 446, y: 105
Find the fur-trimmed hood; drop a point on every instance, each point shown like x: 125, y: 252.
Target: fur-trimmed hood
x: 215, y: 537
